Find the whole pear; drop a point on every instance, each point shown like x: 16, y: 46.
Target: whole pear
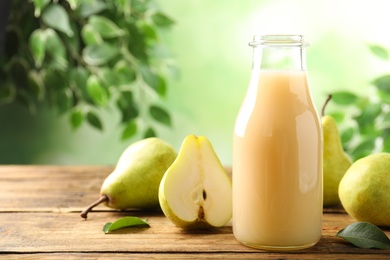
x: 365, y: 189
x: 335, y: 161
x: 135, y: 181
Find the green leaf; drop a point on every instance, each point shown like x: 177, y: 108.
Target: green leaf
x: 109, y: 78
x: 55, y: 50
x: 94, y: 120
x: 368, y: 114
x: 90, y: 36
x: 64, y: 100
x: 344, y: 97
x: 56, y: 17
x: 124, y: 6
x: 125, y: 71
x: 127, y: 106
x: 363, y: 149
x: 383, y: 83
x: 155, y: 81
x: 347, y: 135
x: 95, y: 90
x: 130, y: 130
x: 73, y: 4
x: 79, y: 77
x: 337, y: 116
x: 99, y: 54
x: 365, y: 235
x: 162, y: 20
x: 74, y: 44
x: 149, y: 133
x: 136, y: 43
x: 76, y: 118
x: 161, y: 87
x: 384, y: 96
x: 88, y: 8
x: 379, y: 51
x: 39, y: 5
x: 105, y: 27
x: 386, y: 140
x: 53, y: 80
x: 160, y: 115
x: 37, y: 43
x: 148, y: 30
x: 125, y: 222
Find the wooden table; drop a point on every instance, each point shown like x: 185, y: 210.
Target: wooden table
x: 40, y: 218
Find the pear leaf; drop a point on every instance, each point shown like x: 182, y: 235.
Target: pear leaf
x: 365, y: 235
x: 39, y: 5
x: 99, y: 54
x: 88, y: 8
x: 379, y: 51
x: 160, y: 115
x: 56, y: 17
x: 94, y: 120
x: 125, y: 222
x: 37, y: 43
x: 96, y: 91
x: 162, y: 20
x: 150, y: 133
x: 73, y: 4
x: 105, y: 27
x: 344, y: 97
x: 90, y: 36
x: 76, y: 118
x: 130, y: 130
x: 382, y: 83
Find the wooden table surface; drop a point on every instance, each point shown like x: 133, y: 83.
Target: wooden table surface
x: 40, y: 219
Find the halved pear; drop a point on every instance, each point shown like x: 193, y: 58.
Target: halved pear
x: 195, y: 191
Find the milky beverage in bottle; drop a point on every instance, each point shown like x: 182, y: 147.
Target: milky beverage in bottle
x: 277, y: 163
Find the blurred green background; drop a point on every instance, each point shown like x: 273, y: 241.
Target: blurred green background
x: 209, y: 42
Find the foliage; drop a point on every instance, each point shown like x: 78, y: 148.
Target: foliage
x: 364, y: 120
x: 81, y: 56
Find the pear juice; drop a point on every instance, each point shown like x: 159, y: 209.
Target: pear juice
x: 277, y: 163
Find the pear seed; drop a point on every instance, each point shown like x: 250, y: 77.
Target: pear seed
x: 204, y: 194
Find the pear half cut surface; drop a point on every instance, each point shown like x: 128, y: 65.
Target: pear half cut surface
x: 195, y: 191
x: 135, y: 181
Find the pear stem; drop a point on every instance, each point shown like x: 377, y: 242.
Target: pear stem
x: 325, y: 104
x: 102, y: 199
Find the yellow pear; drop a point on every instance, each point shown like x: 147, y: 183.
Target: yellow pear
x: 195, y: 191
x: 365, y: 189
x: 135, y: 181
x: 335, y: 161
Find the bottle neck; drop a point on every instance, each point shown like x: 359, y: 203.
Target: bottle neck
x: 279, y: 52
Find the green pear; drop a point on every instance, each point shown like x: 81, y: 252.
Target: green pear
x: 335, y: 161
x: 365, y: 189
x: 135, y: 181
x: 195, y: 191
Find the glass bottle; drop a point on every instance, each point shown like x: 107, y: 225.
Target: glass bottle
x: 277, y: 151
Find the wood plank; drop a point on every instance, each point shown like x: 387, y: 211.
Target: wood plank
x: 50, y: 188
x: 42, y: 232
x: 39, y: 218
x: 198, y: 255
